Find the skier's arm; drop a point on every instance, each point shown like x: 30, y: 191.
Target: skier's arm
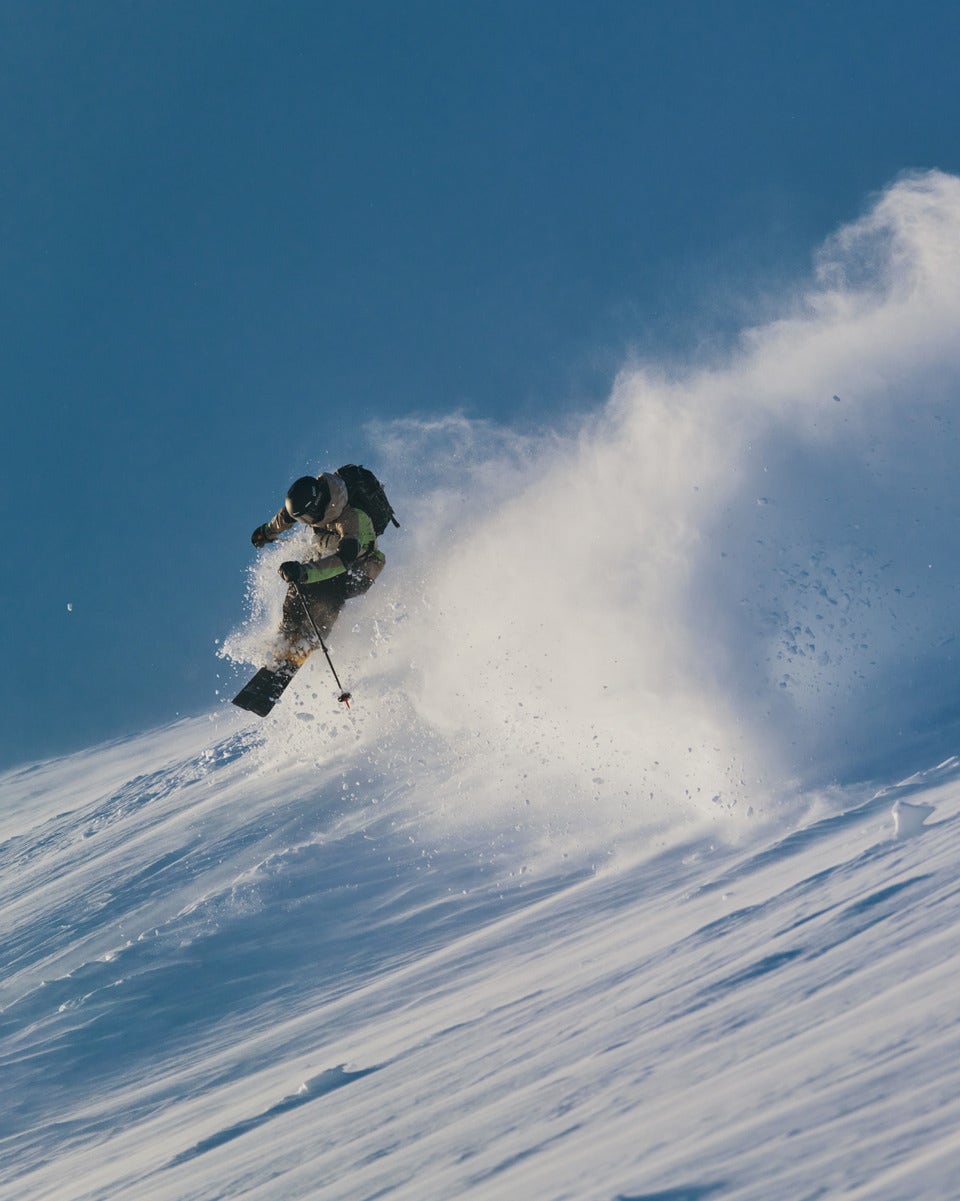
x: 357, y: 536
x: 271, y: 530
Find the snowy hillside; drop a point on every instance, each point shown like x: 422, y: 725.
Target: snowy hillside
x: 634, y: 872
x: 233, y: 977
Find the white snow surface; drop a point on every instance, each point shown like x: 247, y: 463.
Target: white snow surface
x: 633, y: 874
x: 232, y: 975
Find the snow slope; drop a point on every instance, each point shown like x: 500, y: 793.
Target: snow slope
x: 632, y: 875
x: 227, y: 978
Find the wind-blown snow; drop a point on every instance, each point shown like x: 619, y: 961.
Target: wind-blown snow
x: 587, y: 896
x: 731, y: 581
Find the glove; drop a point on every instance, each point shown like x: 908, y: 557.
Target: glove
x: 259, y: 537
x: 293, y: 573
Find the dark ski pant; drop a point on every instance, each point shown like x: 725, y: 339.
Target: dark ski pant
x: 325, y: 600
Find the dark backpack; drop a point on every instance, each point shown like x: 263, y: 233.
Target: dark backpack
x: 364, y: 491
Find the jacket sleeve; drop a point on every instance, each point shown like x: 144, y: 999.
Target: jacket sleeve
x: 277, y: 525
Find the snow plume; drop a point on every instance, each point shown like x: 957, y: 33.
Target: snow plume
x: 718, y: 588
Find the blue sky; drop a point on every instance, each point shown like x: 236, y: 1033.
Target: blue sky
x: 234, y: 233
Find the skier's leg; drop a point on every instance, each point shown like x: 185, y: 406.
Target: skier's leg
x: 296, y: 639
x: 325, y: 600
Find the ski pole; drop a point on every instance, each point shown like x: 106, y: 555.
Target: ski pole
x: 344, y: 696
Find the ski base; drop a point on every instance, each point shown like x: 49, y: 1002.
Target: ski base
x: 261, y: 693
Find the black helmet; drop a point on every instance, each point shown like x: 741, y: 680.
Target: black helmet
x: 307, y: 499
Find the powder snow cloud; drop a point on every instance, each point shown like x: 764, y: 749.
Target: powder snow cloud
x: 727, y: 582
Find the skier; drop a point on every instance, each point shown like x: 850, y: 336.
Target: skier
x: 343, y: 563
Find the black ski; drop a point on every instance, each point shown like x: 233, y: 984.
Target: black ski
x: 261, y: 693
